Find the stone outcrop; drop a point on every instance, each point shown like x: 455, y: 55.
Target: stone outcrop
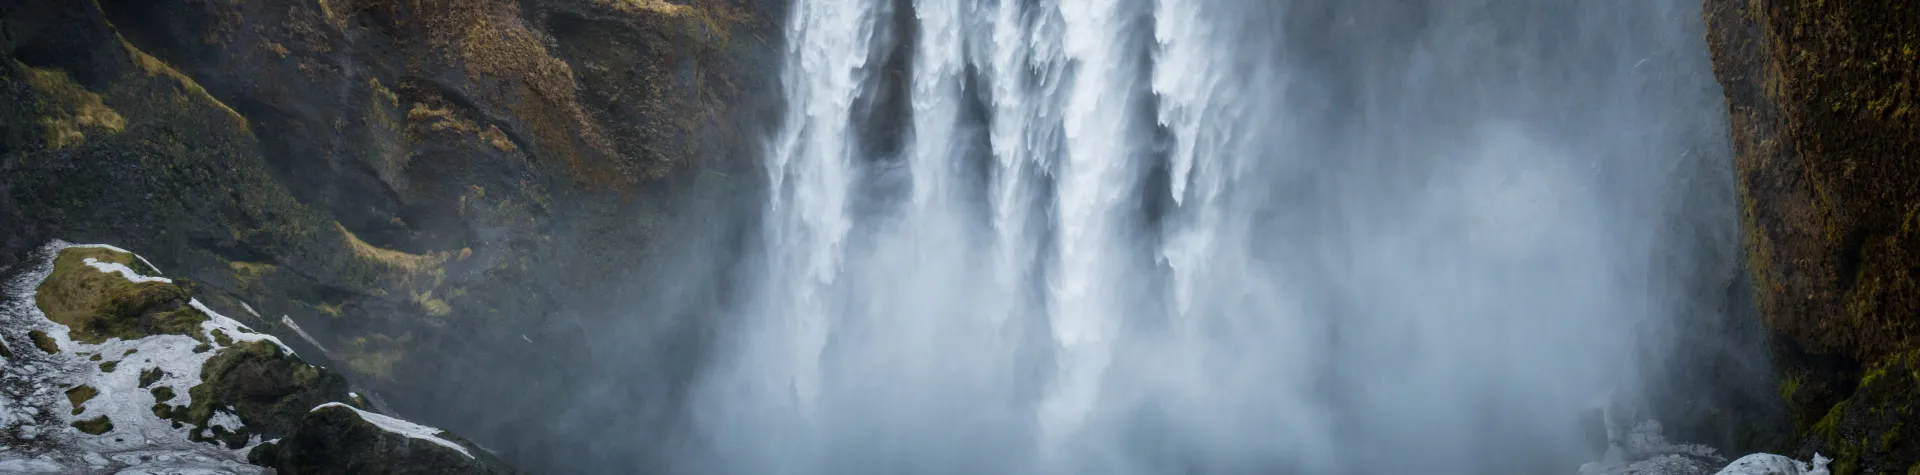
x: 1826, y: 133
x: 404, y: 181
x: 175, y: 386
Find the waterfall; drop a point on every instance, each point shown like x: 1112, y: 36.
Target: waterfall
x: 1206, y: 236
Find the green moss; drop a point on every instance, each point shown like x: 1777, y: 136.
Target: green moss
x: 72, y: 110
x: 202, y: 348
x: 230, y: 381
x: 222, y: 338
x: 130, y: 352
x: 94, y: 426
x: 79, y: 396
x: 44, y: 342
x: 150, y: 375
x: 1829, y: 426
x: 109, y: 366
x: 99, y: 305
x: 95, y: 357
x: 162, y: 394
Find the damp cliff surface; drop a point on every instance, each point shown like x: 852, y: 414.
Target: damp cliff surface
x: 1826, y: 134
x: 428, y: 196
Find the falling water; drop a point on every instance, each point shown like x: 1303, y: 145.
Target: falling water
x: 1208, y: 236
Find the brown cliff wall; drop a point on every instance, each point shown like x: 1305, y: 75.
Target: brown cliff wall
x: 1826, y: 134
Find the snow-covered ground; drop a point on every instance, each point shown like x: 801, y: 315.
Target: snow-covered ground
x: 401, y: 427
x: 36, y: 435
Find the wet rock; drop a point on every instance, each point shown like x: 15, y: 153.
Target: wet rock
x: 338, y: 439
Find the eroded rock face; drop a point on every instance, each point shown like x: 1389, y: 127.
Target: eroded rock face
x: 406, y: 181
x: 153, y: 398
x: 1826, y: 132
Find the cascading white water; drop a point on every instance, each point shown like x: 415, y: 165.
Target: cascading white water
x: 1112, y: 243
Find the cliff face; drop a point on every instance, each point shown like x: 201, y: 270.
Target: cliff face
x: 1826, y: 132
x: 411, y: 181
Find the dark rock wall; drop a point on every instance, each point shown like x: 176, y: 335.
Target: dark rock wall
x: 1826, y: 137
x: 451, y: 196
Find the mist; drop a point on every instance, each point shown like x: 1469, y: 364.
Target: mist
x: 1184, y: 236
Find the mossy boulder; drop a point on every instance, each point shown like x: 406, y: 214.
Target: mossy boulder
x: 96, y: 304
x: 339, y: 440
x: 267, y: 388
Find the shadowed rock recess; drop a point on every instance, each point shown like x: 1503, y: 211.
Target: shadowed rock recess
x: 428, y: 196
x: 1826, y: 135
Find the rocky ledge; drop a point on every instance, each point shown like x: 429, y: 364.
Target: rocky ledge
x: 111, y: 367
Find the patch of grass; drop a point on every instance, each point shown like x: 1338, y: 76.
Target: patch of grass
x: 162, y: 394
x: 246, y: 273
x: 94, y: 426
x: 99, y: 305
x: 109, y: 366
x: 412, y: 263
x: 154, y: 67
x: 72, y: 110
x: 79, y: 396
x: 493, y: 136
x: 438, y: 119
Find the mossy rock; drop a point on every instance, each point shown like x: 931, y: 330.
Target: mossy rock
x: 44, y: 342
x: 98, y: 305
x: 336, y: 439
x: 79, y: 396
x: 1870, y: 432
x: 269, y: 389
x: 94, y: 426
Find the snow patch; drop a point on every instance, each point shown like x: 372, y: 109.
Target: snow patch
x: 34, y: 412
x: 124, y: 271
x: 401, y: 427
x: 36, y: 465
x: 1770, y: 464
x: 143, y: 259
x: 288, y: 321
x: 233, y: 328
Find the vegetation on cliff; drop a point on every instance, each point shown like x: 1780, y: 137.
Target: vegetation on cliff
x: 1826, y: 137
